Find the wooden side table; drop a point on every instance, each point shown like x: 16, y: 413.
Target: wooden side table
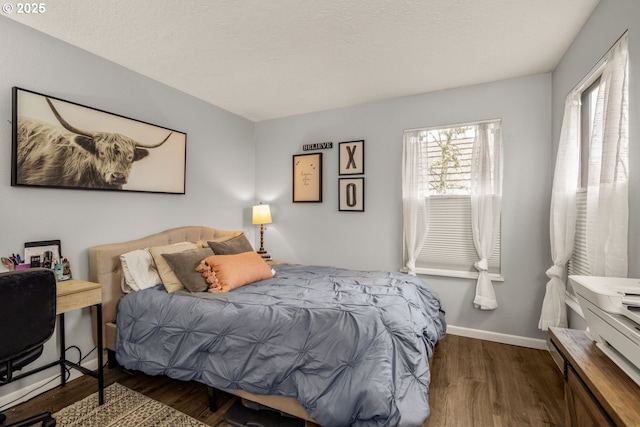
x: 72, y: 295
x: 276, y: 262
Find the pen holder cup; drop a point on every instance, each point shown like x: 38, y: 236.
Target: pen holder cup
x: 62, y: 271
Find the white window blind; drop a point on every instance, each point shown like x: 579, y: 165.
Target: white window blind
x: 579, y: 264
x: 449, y: 243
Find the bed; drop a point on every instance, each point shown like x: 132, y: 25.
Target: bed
x: 332, y: 346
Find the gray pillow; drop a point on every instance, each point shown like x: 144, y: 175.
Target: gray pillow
x: 184, y: 266
x: 235, y: 245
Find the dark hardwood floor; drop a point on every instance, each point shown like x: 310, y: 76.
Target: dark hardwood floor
x: 474, y: 383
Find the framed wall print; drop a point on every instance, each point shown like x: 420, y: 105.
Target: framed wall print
x: 307, y: 177
x: 61, y: 144
x: 351, y: 192
x: 351, y: 158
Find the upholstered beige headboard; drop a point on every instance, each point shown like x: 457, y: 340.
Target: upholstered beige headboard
x: 104, y: 267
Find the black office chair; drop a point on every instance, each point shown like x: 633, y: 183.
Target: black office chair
x: 27, y: 321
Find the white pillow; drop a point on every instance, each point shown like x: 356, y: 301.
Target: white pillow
x: 138, y: 271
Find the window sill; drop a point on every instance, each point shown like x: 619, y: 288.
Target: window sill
x: 453, y: 273
x: 572, y: 302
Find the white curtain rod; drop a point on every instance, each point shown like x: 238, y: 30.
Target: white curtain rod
x: 453, y: 125
x: 594, y: 72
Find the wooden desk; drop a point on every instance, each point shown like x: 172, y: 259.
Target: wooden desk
x: 597, y: 391
x: 72, y: 295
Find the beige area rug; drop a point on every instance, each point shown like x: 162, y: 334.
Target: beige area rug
x: 122, y: 407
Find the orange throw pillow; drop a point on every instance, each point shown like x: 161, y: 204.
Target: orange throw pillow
x: 233, y: 271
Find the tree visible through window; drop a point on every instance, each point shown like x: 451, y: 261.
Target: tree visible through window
x: 449, y: 159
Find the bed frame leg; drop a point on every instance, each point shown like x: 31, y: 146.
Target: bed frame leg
x: 112, y: 363
x: 213, y: 403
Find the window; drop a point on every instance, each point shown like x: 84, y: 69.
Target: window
x: 578, y: 263
x: 603, y: 175
x: 588, y: 100
x: 443, y: 168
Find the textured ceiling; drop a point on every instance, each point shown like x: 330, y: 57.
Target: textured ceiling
x: 264, y: 59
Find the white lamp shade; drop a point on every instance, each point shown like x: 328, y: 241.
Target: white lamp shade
x: 261, y: 214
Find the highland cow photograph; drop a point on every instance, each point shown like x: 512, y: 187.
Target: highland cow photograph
x: 61, y: 144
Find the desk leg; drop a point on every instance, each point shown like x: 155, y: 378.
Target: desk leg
x: 63, y: 377
x: 100, y: 350
x: 99, y: 374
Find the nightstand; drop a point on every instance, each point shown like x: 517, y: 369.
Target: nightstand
x: 275, y: 262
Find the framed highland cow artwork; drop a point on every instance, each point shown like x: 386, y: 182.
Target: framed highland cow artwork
x: 61, y: 144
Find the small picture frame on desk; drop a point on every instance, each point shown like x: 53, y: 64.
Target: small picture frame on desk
x: 48, y: 250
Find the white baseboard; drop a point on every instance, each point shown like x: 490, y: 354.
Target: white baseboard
x: 46, y: 384
x: 498, y: 337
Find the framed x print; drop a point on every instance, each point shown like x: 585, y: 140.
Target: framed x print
x: 351, y: 192
x: 307, y: 177
x: 351, y: 158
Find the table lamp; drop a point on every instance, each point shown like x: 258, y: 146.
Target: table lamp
x: 261, y: 215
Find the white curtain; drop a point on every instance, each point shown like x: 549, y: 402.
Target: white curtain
x: 486, y: 203
x: 415, y: 195
x: 607, y: 190
x: 563, y: 214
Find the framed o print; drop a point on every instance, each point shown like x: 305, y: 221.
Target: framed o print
x: 307, y: 177
x: 351, y: 158
x: 351, y: 192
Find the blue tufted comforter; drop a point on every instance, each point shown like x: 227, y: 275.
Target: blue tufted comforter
x: 351, y: 346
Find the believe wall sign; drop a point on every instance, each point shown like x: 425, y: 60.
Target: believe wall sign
x: 318, y: 146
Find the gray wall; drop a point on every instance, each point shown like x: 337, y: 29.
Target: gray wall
x: 220, y: 157
x: 222, y: 181
x: 318, y: 233
x: 607, y: 23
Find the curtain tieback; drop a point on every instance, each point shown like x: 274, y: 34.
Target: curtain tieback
x: 482, y: 265
x: 556, y: 271
x: 411, y: 265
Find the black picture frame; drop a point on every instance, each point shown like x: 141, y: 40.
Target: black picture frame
x: 62, y: 144
x: 38, y: 249
x: 351, y: 158
x: 307, y: 178
x: 351, y: 194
